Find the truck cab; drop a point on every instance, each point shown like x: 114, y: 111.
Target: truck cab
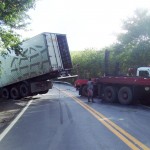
x: 143, y: 72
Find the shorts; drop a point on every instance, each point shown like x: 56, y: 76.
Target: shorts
x: 90, y: 92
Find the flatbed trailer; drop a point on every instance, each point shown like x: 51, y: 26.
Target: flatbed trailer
x: 124, y: 89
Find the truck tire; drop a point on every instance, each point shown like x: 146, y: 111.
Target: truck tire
x: 84, y: 91
x: 80, y: 91
x: 5, y: 93
x: 14, y: 93
x: 110, y: 94
x: 24, y: 90
x: 125, y: 96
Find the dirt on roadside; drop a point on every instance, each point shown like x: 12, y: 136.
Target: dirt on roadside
x: 9, y: 109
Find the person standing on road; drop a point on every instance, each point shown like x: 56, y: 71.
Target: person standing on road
x: 90, y: 90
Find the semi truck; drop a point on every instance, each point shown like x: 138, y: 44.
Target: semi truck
x: 123, y: 89
x: 44, y: 57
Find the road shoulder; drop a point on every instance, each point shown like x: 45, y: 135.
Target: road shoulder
x: 9, y: 109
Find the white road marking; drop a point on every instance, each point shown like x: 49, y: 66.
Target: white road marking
x: 3, y: 134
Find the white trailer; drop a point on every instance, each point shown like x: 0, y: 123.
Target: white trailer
x: 45, y: 57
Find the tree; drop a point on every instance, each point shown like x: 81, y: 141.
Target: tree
x: 13, y: 17
x: 136, y: 28
x: 133, y: 46
x: 90, y: 62
x: 131, y: 50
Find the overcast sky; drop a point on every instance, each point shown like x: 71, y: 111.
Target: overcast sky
x: 87, y: 23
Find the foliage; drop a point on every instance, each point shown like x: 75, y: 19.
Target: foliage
x: 136, y: 29
x: 88, y: 63
x: 13, y: 16
x: 135, y: 42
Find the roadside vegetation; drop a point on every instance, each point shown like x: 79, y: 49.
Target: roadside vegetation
x: 132, y: 49
x: 13, y: 17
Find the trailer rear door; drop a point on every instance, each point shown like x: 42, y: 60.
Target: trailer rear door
x: 64, y: 51
x: 53, y: 50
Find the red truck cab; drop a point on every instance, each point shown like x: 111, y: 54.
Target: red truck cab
x: 81, y: 85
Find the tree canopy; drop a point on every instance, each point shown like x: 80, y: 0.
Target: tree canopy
x: 134, y: 43
x: 88, y: 62
x: 136, y: 29
x: 13, y: 17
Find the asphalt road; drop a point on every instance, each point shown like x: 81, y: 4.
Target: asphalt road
x: 62, y: 120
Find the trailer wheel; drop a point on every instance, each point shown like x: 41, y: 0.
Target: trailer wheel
x: 5, y: 93
x: 125, y: 96
x: 24, y: 90
x: 84, y: 91
x: 110, y: 94
x: 14, y: 93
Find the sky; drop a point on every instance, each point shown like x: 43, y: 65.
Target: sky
x: 87, y: 23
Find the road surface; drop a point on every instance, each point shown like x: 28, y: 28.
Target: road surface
x: 62, y: 120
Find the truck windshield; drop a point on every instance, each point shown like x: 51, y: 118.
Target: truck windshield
x: 143, y: 74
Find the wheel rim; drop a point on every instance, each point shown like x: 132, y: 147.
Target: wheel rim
x: 110, y: 94
x: 125, y: 95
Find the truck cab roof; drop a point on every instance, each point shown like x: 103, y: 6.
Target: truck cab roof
x: 143, y: 72
x: 144, y: 68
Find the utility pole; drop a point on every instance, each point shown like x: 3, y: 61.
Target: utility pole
x: 106, y: 62
x: 78, y: 70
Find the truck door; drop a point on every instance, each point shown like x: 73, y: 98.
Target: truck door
x: 64, y: 51
x: 54, y: 53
